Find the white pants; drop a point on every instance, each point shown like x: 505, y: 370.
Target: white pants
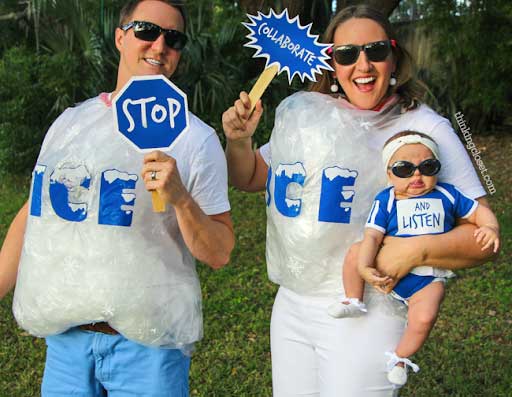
x: 316, y: 355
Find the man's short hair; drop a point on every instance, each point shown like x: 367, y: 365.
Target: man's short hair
x: 129, y: 8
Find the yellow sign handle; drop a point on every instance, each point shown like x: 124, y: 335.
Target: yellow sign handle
x: 158, y: 203
x: 262, y: 84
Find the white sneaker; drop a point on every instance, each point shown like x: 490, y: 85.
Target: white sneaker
x: 398, y: 375
x: 351, y: 307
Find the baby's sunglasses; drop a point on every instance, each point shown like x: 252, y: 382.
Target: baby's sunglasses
x: 405, y: 169
x: 148, y: 31
x: 376, y: 52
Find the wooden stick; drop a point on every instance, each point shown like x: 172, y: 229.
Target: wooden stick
x: 158, y: 203
x: 262, y: 84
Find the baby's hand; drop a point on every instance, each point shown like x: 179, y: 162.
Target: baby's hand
x: 487, y: 236
x: 376, y: 279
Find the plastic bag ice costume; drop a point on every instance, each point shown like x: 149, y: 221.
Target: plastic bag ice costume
x: 94, y: 250
x: 324, y: 173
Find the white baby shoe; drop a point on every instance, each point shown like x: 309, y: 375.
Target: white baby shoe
x: 397, y: 375
x: 351, y: 307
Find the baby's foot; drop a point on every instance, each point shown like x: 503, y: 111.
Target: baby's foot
x: 397, y: 368
x: 398, y: 375
x: 351, y: 307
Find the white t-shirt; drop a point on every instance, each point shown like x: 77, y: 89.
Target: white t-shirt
x: 326, y: 169
x: 94, y: 250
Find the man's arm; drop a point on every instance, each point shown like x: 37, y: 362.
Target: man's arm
x: 11, y: 251
x: 210, y: 239
x: 456, y: 249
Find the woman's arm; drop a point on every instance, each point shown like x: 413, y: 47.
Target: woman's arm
x: 11, y: 251
x: 456, y: 249
x: 247, y: 169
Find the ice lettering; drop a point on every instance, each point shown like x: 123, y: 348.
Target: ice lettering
x: 69, y: 188
x: 117, y: 198
x: 37, y: 189
x: 287, y: 175
x: 336, y: 195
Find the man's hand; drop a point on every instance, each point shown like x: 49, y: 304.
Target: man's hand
x: 167, y: 180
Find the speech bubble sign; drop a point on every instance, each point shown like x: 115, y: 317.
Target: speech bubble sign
x: 150, y: 112
x: 288, y: 45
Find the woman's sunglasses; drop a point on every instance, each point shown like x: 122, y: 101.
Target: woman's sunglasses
x: 376, y: 52
x: 148, y: 31
x: 405, y: 169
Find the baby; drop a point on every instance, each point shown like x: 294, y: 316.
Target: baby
x: 415, y: 204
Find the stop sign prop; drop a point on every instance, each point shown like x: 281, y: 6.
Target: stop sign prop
x: 151, y: 113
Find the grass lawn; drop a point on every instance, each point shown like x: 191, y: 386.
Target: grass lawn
x: 468, y: 354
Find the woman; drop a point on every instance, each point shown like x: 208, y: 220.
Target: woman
x: 313, y: 354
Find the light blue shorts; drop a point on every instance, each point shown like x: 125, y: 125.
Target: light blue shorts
x: 92, y: 364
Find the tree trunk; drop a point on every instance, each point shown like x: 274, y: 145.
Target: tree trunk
x: 13, y: 16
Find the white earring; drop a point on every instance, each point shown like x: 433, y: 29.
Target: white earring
x: 334, y: 86
x: 392, y: 81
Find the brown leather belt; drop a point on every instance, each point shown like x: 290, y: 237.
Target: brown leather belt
x: 102, y: 327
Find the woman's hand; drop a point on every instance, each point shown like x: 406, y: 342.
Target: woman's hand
x: 238, y: 122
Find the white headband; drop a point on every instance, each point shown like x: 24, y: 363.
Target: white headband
x: 395, y: 144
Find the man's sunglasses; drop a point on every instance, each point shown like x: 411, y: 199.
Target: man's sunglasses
x: 405, y: 169
x: 376, y: 52
x: 148, y: 31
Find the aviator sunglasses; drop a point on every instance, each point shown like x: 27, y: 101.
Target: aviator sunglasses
x: 148, y: 31
x: 405, y: 169
x: 376, y: 52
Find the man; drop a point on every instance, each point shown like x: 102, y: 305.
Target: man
x: 109, y: 283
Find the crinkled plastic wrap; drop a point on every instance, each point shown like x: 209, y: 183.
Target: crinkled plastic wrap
x: 84, y: 261
x: 328, y: 171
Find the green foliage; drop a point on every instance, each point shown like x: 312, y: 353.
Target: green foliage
x: 28, y: 91
x: 473, y: 48
x: 76, y: 60
x: 13, y: 29
x: 209, y: 70
x: 87, y: 33
x: 216, y: 66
